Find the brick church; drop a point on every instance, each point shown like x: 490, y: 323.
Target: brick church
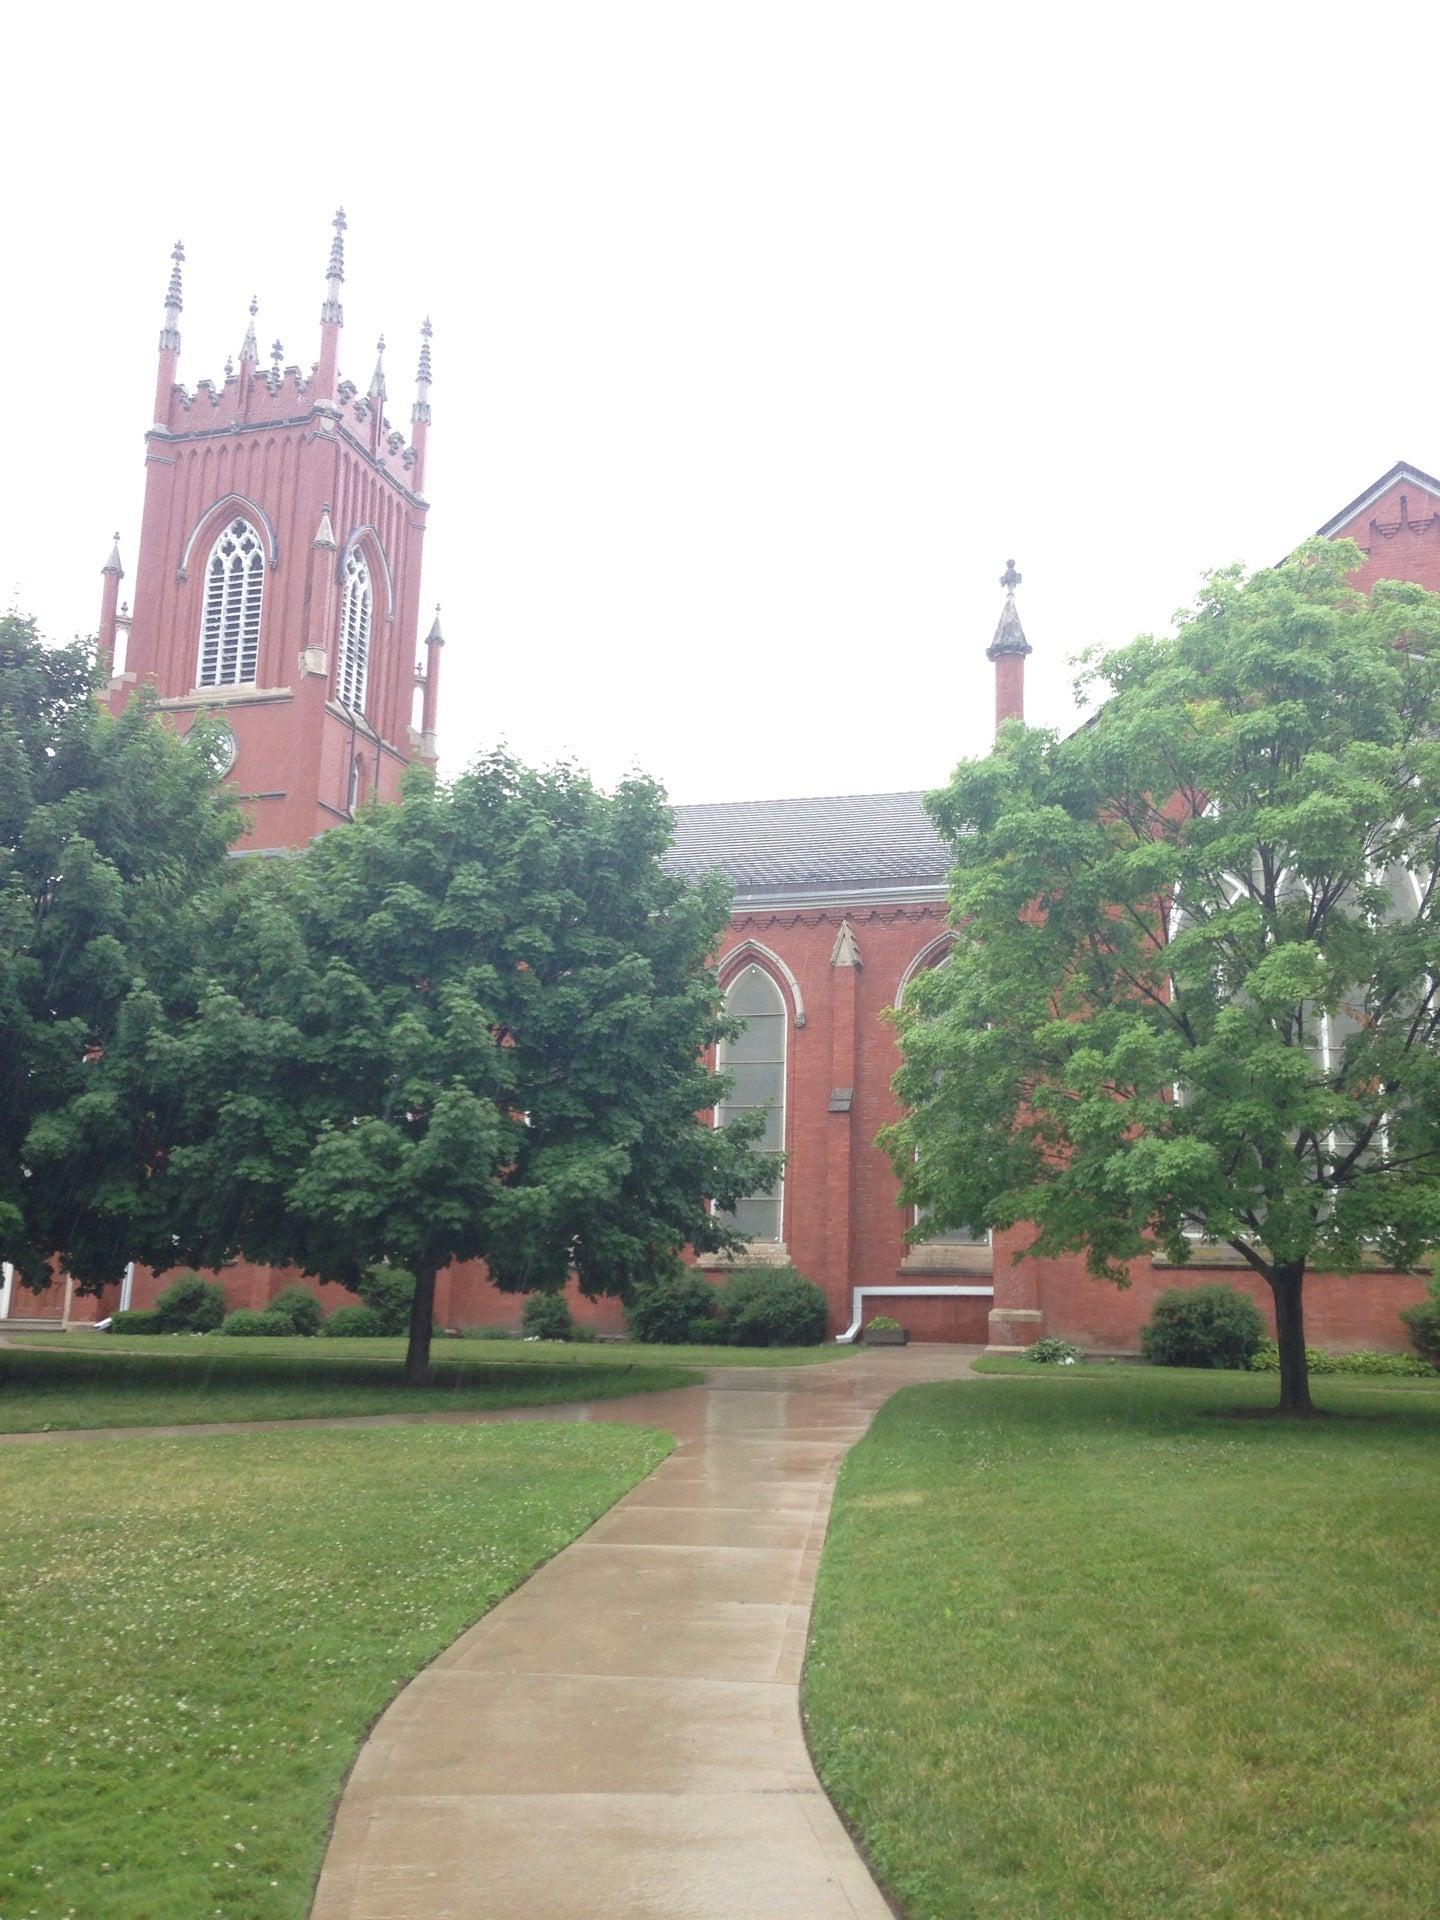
x: 278, y: 587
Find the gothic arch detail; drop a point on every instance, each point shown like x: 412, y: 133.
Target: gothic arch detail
x: 233, y: 506
x: 375, y: 553
x: 753, y: 950
x: 923, y: 960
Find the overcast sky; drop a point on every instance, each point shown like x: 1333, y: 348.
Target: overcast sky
x: 764, y: 333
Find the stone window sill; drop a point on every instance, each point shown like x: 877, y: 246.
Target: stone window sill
x: 755, y: 1253
x: 944, y: 1256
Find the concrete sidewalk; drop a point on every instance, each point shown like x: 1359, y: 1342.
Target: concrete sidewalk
x: 620, y: 1739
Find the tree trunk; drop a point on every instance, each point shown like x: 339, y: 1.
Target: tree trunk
x: 1285, y: 1283
x: 422, y: 1325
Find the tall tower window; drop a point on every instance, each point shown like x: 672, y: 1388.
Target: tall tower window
x: 755, y: 1063
x: 230, y: 627
x: 355, y: 614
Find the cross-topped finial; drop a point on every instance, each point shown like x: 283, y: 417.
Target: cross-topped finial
x: 249, y: 348
x: 277, y: 354
x: 426, y: 331
x: 337, y: 246
x: 377, y: 379
x: 1010, y: 579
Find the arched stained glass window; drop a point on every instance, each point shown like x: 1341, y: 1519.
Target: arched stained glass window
x: 356, y: 611
x: 230, y: 624
x: 755, y: 1065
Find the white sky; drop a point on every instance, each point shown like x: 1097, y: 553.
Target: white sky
x: 764, y: 332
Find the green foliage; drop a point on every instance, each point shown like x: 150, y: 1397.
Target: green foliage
x: 1401, y: 1366
x: 389, y: 1290
x: 772, y: 1307
x: 704, y: 1333
x: 546, y: 1317
x: 354, y: 1323
x: 1051, y: 1352
x: 134, y: 1320
x: 300, y: 1308
x: 665, y: 1309
x: 246, y: 1323
x: 882, y: 1323
x: 1236, y: 849
x: 1422, y: 1322
x: 190, y: 1304
x: 1214, y: 1326
x: 113, y: 836
x: 469, y: 1025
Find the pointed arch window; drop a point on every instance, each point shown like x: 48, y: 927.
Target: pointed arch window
x: 356, y: 612
x: 754, y: 1062
x: 230, y: 623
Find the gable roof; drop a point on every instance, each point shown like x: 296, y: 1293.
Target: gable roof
x: 1402, y: 470
x: 824, y: 847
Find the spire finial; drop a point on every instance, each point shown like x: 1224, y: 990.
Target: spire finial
x: 248, y: 348
x: 377, y: 379
x: 435, y: 638
x: 277, y: 354
x: 420, y: 412
x: 1009, y: 634
x: 112, y: 565
x: 331, y: 314
x: 170, y: 332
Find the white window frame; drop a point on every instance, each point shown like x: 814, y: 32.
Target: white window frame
x: 233, y: 598
x: 357, y: 626
x: 778, y: 1240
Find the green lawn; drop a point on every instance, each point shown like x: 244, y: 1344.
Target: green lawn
x: 1086, y: 1646
x: 103, y: 1380
x: 197, y: 1635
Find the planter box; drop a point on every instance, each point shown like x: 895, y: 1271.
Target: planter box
x: 886, y: 1337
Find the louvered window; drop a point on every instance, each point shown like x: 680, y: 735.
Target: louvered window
x: 230, y: 627
x: 355, y: 612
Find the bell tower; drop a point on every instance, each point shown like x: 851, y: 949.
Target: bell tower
x: 278, y: 578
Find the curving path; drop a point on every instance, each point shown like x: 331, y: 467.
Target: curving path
x: 620, y: 1739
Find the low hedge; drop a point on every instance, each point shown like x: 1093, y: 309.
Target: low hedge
x: 247, y: 1324
x: 772, y: 1307
x: 1405, y: 1366
x: 354, y: 1323
x: 134, y: 1320
x: 545, y: 1316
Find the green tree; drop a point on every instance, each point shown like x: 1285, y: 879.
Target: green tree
x: 1194, y: 989
x: 468, y: 1025
x: 111, y: 831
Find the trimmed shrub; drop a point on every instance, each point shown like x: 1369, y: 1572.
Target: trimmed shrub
x: 190, y: 1305
x: 1212, y: 1326
x: 354, y: 1323
x: 388, y: 1291
x: 773, y: 1307
x: 300, y: 1308
x: 133, y: 1320
x: 705, y: 1333
x: 1051, y: 1352
x: 1404, y: 1366
x: 882, y: 1323
x: 246, y: 1324
x: 1422, y: 1323
x: 546, y: 1317
x: 665, y: 1310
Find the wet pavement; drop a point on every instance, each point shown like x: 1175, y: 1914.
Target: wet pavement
x: 620, y: 1739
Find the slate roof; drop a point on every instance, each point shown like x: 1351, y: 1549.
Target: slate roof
x: 830, y: 844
